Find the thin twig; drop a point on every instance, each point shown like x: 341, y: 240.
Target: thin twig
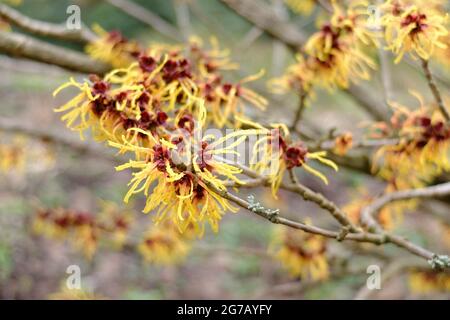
x: 46, y: 29
x: 322, y: 202
x: 301, y: 107
x: 359, y: 236
x: 369, y: 213
x: 369, y: 143
x: 434, y: 89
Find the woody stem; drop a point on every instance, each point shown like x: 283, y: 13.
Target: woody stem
x: 301, y: 107
x: 434, y: 89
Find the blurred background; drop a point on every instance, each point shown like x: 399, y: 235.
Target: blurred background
x: 39, y: 175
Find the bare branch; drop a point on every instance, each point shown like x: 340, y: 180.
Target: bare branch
x: 435, y: 90
x: 20, y: 45
x: 42, y: 28
x: 321, y: 201
x: 358, y: 237
x: 378, y: 237
x: 261, y: 15
x: 368, y: 214
x: 306, y: 193
x: 301, y: 107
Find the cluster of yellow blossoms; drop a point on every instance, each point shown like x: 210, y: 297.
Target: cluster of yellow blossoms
x: 422, y: 148
x: 302, y: 254
x: 19, y: 155
x: 157, y: 109
x: 276, y: 152
x: 84, y: 230
x: 420, y: 151
x: 414, y: 27
x: 337, y: 54
x: 113, y: 225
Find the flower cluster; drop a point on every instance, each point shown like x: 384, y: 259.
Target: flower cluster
x: 19, y: 155
x: 302, y: 254
x: 335, y: 55
x: 163, y: 244
x: 413, y: 29
x: 276, y: 152
x: 84, y: 230
x: 422, y: 148
x: 197, y: 68
x: 420, y: 151
x: 155, y: 110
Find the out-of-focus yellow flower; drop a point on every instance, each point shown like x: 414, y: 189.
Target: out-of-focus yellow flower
x: 413, y: 29
x: 336, y: 54
x: 164, y: 245
x: 420, y: 153
x: 423, y: 146
x: 60, y: 224
x: 116, y: 221
x: 303, y: 7
x: 301, y: 254
x: 20, y: 155
x: 13, y: 155
x: 84, y: 230
x: 426, y: 282
x: 335, y: 62
x: 388, y: 217
x: 343, y: 143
